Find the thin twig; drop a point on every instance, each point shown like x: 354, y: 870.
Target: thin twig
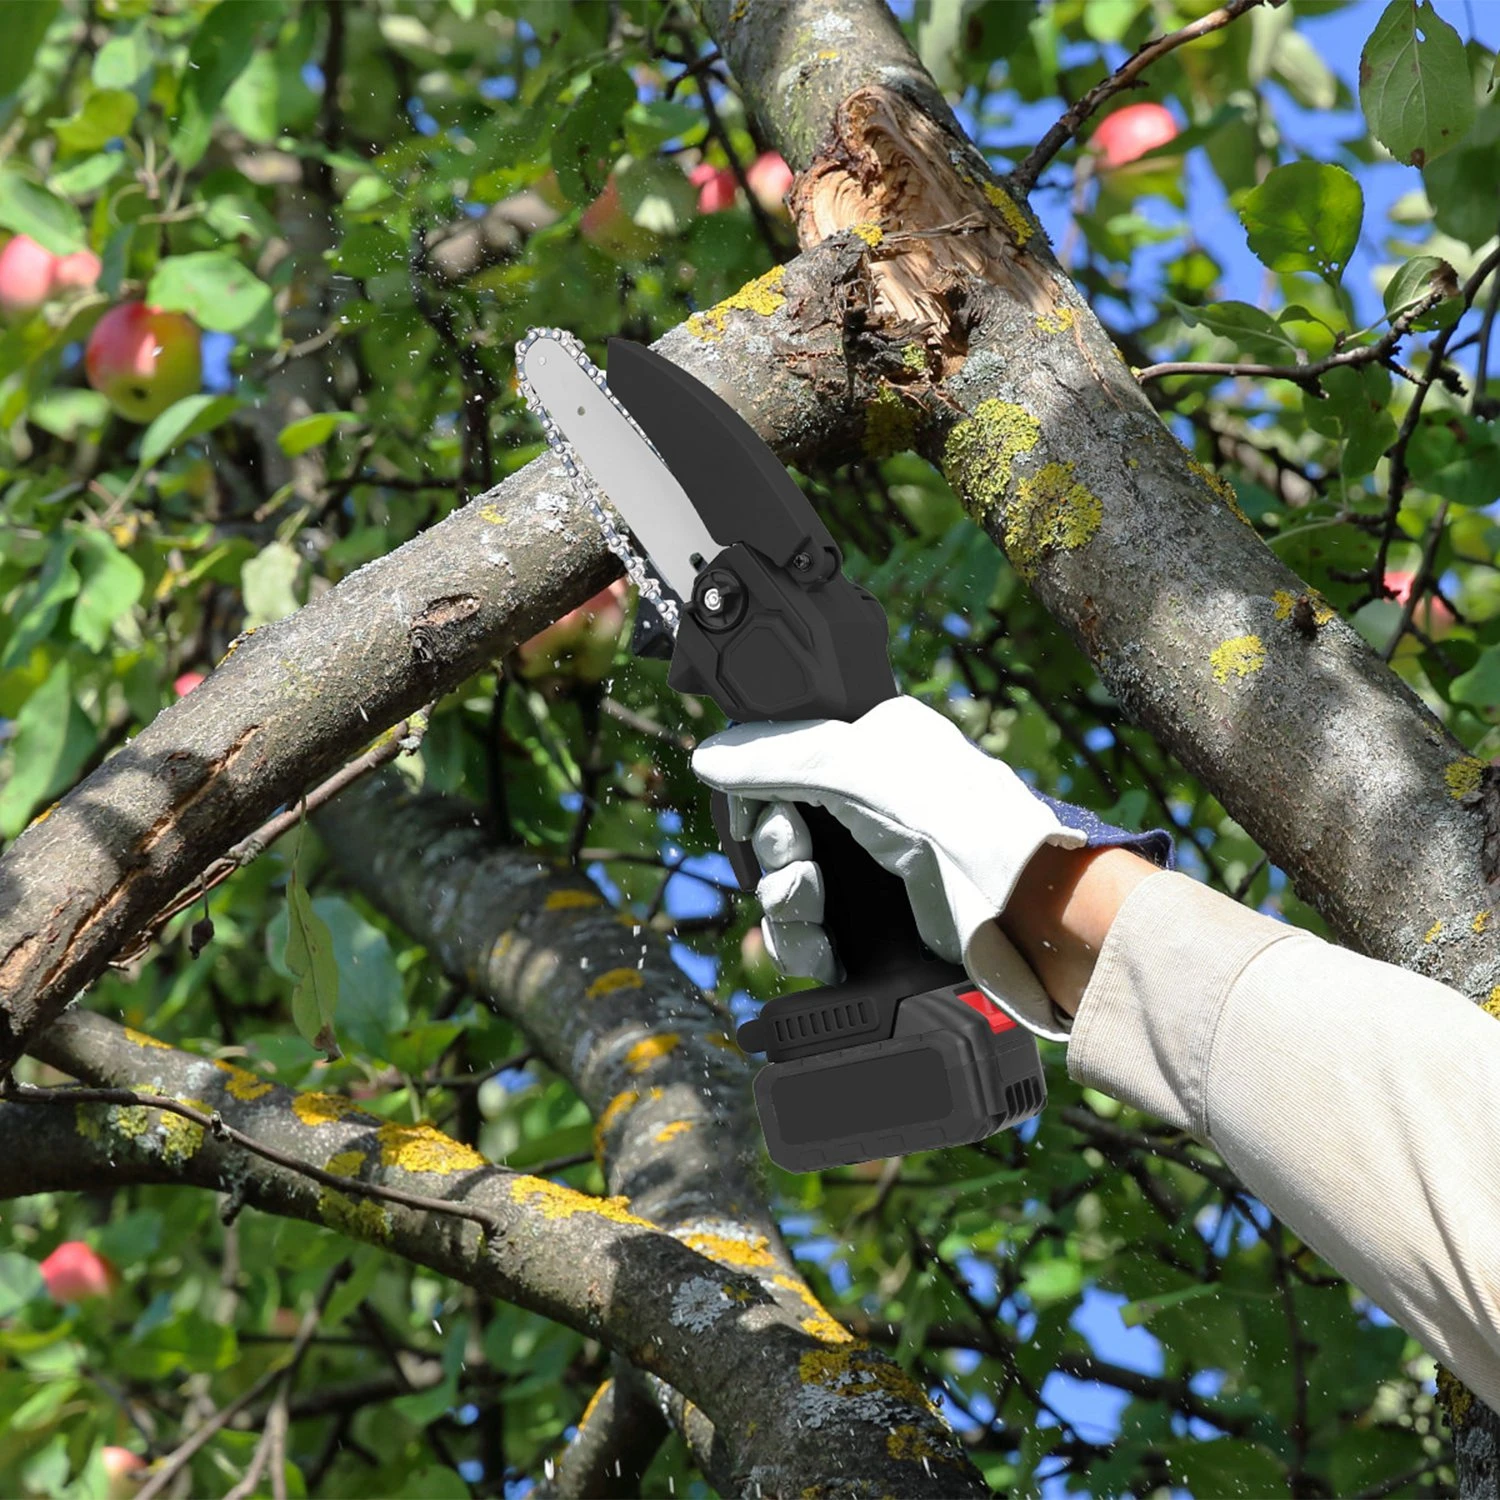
x: 1024, y: 177
x: 179, y: 1458
x: 405, y: 737
x: 213, y: 1121
x: 1307, y: 375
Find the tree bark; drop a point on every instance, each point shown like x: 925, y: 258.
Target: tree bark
x: 603, y: 1002
x: 791, y: 1397
x: 1328, y: 760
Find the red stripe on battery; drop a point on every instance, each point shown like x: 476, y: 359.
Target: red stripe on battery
x: 977, y: 1000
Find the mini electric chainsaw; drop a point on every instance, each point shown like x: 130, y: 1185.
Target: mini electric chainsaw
x: 904, y: 1054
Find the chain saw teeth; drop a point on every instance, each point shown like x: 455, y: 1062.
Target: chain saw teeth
x: 616, y: 535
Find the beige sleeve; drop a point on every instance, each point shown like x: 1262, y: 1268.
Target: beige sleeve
x: 1356, y: 1100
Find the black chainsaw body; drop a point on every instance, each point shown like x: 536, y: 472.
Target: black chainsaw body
x: 891, y: 1059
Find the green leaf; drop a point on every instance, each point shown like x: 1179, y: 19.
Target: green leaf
x: 1480, y: 685
x: 214, y: 288
x: 1133, y: 1314
x: 223, y: 44
x: 1415, y: 280
x: 367, y: 250
x: 186, y: 1342
x: 1414, y: 83
x: 122, y: 60
x: 25, y: 26
x: 309, y: 956
x: 435, y: 1483
x: 1460, y: 185
x: 42, y: 1406
x: 188, y: 418
x: 252, y: 103
x: 653, y: 124
x: 111, y: 585
x: 87, y: 176
x: 1251, y: 331
x: 269, y: 581
x: 29, y: 209
x: 20, y: 1281
x: 371, y: 996
x: 36, y: 611
x: 1305, y: 216
x: 52, y: 740
x: 309, y: 432
x: 1225, y: 1467
x: 584, y: 145
x: 106, y: 114
x: 68, y: 412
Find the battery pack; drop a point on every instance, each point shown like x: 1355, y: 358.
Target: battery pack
x: 852, y: 1082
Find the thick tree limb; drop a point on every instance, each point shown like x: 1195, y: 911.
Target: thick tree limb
x: 1318, y: 750
x: 822, y: 1404
x: 299, y: 697
x: 602, y: 1001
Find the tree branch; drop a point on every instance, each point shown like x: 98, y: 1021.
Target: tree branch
x: 589, y: 1263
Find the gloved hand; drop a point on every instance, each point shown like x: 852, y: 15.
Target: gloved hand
x: 956, y: 825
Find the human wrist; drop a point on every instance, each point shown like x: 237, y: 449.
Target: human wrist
x: 1061, y: 910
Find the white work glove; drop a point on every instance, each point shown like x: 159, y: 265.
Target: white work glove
x: 956, y: 825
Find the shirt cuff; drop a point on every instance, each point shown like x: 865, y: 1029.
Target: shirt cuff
x: 1145, y: 1025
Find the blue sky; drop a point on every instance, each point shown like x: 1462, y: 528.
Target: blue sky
x: 1339, y: 38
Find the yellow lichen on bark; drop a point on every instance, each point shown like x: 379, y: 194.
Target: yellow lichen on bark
x: 822, y: 1325
x: 649, y: 1049
x: 555, y: 1200
x: 571, y: 900
x: 871, y: 234
x: 1463, y: 777
x: 612, y: 982
x: 1284, y: 602
x: 615, y: 1111
x: 910, y: 1443
x: 180, y: 1137
x: 1239, y: 656
x: 1053, y: 511
x: 854, y: 1370
x: 1059, y: 321
x: 1491, y: 1007
x: 979, y: 453
x: 890, y: 423
x: 763, y: 296
x: 357, y: 1216
x: 594, y: 1400
x: 243, y: 1084
x: 752, y: 1253
x: 1011, y: 213
x: 323, y: 1109
x: 672, y: 1131
x: 142, y: 1040
x: 420, y: 1148
x: 1431, y: 935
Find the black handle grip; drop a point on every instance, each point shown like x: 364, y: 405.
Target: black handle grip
x: 866, y: 911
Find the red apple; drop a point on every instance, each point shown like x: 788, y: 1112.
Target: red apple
x: 186, y: 682
x: 581, y: 646
x: 1133, y: 131
x: 143, y: 359
x: 121, y: 1467
x: 770, y: 180
x: 26, y: 273
x: 716, y: 187
x: 78, y: 271
x: 1431, y: 614
x: 76, y: 1271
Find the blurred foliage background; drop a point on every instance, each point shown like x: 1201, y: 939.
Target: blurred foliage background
x: 361, y: 207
